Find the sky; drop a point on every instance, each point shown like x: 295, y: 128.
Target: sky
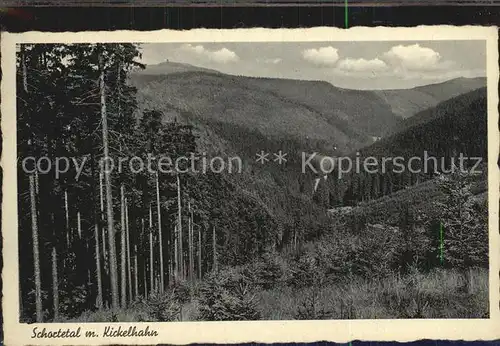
x: 353, y: 65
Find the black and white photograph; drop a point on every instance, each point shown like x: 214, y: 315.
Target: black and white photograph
x: 251, y: 181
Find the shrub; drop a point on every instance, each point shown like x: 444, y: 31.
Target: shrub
x: 305, y: 271
x: 227, y: 296
x: 415, y: 241
x: 181, y: 291
x: 465, y: 223
x: 267, y: 272
x: 372, y: 253
x: 311, y: 307
x: 335, y: 253
x: 161, y: 307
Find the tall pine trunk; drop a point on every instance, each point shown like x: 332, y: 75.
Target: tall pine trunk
x: 176, y: 254
x: 136, y: 273
x: 36, y: 251
x: 151, y: 249
x: 109, y: 194
x: 101, y: 197
x: 34, y: 216
x: 129, y: 269
x: 189, y: 273
x: 199, y: 254
x: 214, y: 250
x: 68, y: 240
x: 55, y: 279
x: 97, y: 251
x: 179, y: 228
x: 170, y: 263
x: 145, y: 282
x: 123, y: 262
x: 190, y: 239
x: 55, y: 284
x: 79, y: 222
x: 160, y: 238
x: 98, y: 267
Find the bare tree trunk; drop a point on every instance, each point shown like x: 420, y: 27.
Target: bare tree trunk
x: 129, y: 269
x: 36, y: 183
x: 136, y: 273
x: 79, y: 222
x: 34, y: 215
x: 145, y: 282
x: 67, y: 218
x: 176, y: 254
x: 143, y: 236
x: 190, y: 244
x: 36, y: 251
x: 98, y: 267
x: 193, y: 274
x: 101, y: 195
x: 214, y: 249
x: 170, y: 260
x: 55, y: 284
x: 160, y: 239
x: 179, y: 227
x: 123, y: 262
x: 109, y: 194
x: 55, y: 279
x: 151, y: 249
x: 199, y: 254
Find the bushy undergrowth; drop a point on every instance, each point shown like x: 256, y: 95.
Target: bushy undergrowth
x: 437, y: 294
x: 227, y: 295
x: 158, y: 307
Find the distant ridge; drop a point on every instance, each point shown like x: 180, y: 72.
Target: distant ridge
x: 169, y: 67
x: 350, y: 118
x: 408, y: 102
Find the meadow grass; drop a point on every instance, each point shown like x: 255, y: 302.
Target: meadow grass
x: 438, y: 294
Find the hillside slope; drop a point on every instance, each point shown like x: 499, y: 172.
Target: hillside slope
x: 362, y: 110
x: 453, y: 128
x: 408, y: 102
x: 235, y: 115
x: 456, y: 124
x: 208, y: 98
x: 169, y: 67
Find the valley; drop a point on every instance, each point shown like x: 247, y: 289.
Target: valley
x: 269, y: 242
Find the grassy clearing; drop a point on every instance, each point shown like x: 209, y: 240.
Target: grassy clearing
x: 438, y: 294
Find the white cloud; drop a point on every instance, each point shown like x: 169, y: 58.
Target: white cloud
x: 322, y: 56
x: 415, y: 57
x: 222, y: 55
x: 362, y: 65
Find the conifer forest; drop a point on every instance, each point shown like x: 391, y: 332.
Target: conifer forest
x: 102, y: 244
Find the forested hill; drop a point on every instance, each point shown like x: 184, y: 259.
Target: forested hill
x: 272, y: 110
x: 346, y: 119
x: 454, y: 127
x: 457, y: 103
x: 168, y: 67
x: 408, y: 102
x: 236, y: 115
